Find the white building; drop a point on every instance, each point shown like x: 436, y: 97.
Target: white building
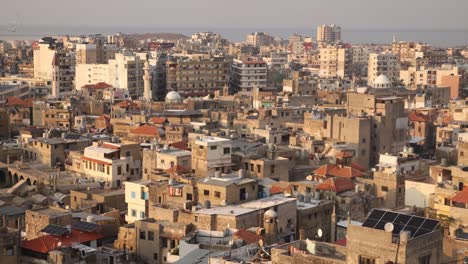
x: 91, y: 74
x: 383, y: 63
x: 136, y: 197
x: 247, y: 73
x: 328, y: 33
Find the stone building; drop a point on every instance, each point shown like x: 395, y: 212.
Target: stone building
x: 97, y: 200
x: 158, y: 159
x: 37, y: 219
x: 225, y: 190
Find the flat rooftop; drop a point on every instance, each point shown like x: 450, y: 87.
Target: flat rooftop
x: 51, y: 211
x: 226, y: 210
x: 268, y: 202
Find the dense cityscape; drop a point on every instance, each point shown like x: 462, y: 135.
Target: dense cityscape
x: 173, y: 148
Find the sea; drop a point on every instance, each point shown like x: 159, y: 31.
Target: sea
x: 438, y: 38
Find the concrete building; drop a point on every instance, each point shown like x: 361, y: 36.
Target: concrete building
x: 328, y: 33
x: 126, y: 71
x: 63, y: 73
x: 301, y: 85
x: 335, y: 62
x: 248, y: 73
x: 211, y: 154
x: 227, y: 189
x: 158, y: 159
x: 88, y: 74
x: 44, y: 54
x: 136, y: 197
x: 198, y: 74
x: 383, y: 63
x: 258, y: 39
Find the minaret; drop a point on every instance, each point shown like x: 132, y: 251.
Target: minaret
x: 147, y: 95
x: 56, y: 77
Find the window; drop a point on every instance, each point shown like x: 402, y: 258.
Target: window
x: 133, y: 195
x: 366, y: 260
x: 308, y: 189
x: 462, y: 153
x: 150, y: 235
x: 384, y: 189
x: 196, y: 218
x: 227, y: 150
x: 425, y: 259
x: 119, y: 170
x: 272, y: 169
x: 142, y: 235
x: 162, y: 161
x: 144, y: 195
x: 10, y: 251
x: 217, y: 194
x: 133, y: 213
x: 213, y: 147
x: 206, y: 192
x: 142, y: 214
x: 155, y: 256
x: 259, y: 168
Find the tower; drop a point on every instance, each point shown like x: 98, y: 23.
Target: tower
x: 147, y: 94
x: 271, y: 226
x: 55, y: 76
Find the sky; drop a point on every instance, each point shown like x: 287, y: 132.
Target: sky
x: 350, y: 14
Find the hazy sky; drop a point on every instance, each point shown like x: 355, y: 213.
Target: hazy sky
x: 351, y: 14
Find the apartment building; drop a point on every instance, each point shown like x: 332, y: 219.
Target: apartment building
x: 383, y: 63
x: 328, y: 33
x: 199, y: 74
x: 335, y: 61
x: 248, y: 73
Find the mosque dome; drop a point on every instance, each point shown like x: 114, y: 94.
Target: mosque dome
x: 382, y: 81
x: 173, y: 97
x: 270, y: 213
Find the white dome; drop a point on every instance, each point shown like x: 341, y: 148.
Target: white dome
x: 173, y: 97
x: 270, y: 213
x: 382, y: 81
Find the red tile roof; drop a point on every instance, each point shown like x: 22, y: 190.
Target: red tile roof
x: 146, y: 130
x: 99, y: 85
x: 247, y: 236
x: 47, y: 243
x: 180, y: 145
x: 337, y: 185
x: 418, y: 117
x: 333, y: 170
x: 461, y: 196
x: 128, y: 104
x: 16, y: 101
x: 280, y: 188
x: 157, y: 120
x: 341, y: 242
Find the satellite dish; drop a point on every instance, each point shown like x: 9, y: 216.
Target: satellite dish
x: 388, y: 227
x: 319, y: 232
x: 59, y: 244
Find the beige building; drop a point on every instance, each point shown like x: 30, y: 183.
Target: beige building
x: 87, y: 74
x: 227, y: 189
x: 211, y: 154
x: 335, y: 61
x: 259, y: 39
x: 383, y: 63
x: 175, y: 160
x: 197, y: 74
x: 328, y: 33
x: 37, y: 219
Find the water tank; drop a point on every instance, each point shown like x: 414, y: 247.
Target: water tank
x: 443, y: 162
x: 64, y: 135
x: 300, y: 198
x: 411, y: 150
x: 217, y: 174
x: 90, y: 219
x: 207, y: 204
x: 317, y: 195
x: 171, y: 181
x: 405, y: 236
x: 356, y: 188
x: 240, y: 173
x: 405, y: 149
x: 307, y: 198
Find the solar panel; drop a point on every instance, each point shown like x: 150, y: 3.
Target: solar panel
x: 85, y: 226
x: 416, y: 225
x: 55, y: 230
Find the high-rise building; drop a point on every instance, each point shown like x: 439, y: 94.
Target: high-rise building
x: 383, y: 63
x: 258, y: 39
x: 126, y: 71
x: 44, y: 54
x: 199, y: 74
x: 86, y: 53
x: 335, y: 61
x: 329, y: 33
x: 247, y: 73
x: 63, y: 73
